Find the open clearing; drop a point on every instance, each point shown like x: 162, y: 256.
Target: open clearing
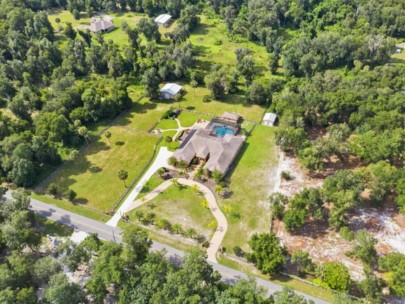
x: 251, y: 182
x: 93, y: 174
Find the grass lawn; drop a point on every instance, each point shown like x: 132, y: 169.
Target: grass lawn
x: 251, y: 183
x: 167, y: 124
x: 143, y: 115
x: 188, y: 119
x: 71, y: 207
x: 180, y: 206
x: 93, y: 175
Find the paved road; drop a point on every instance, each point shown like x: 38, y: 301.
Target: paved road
x: 229, y: 275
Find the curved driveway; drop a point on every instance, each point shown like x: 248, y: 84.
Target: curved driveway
x: 222, y: 227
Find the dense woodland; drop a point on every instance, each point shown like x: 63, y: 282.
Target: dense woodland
x: 127, y: 272
x: 339, y: 99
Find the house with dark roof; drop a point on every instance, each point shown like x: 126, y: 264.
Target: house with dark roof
x: 101, y: 25
x: 217, y: 149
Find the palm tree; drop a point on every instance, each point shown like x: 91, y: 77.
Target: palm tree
x: 178, y: 228
x: 123, y: 175
x: 190, y: 232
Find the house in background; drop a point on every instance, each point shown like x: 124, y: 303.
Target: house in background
x: 269, y: 119
x: 101, y: 25
x: 170, y: 90
x: 400, y: 47
x: 216, y: 145
x: 163, y: 20
x: 232, y: 117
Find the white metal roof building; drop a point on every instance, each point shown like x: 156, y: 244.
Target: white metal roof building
x: 170, y: 90
x: 163, y: 19
x: 269, y: 119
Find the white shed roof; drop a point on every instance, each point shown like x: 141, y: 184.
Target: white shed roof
x: 270, y: 117
x: 163, y: 19
x: 171, y: 88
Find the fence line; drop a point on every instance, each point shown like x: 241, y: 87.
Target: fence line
x: 138, y: 177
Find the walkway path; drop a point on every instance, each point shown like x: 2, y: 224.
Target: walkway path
x: 160, y: 161
x: 222, y: 227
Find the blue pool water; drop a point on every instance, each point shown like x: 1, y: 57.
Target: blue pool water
x: 221, y: 131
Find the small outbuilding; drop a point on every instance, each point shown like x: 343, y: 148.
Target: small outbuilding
x: 399, y: 47
x: 163, y: 20
x: 232, y: 117
x: 269, y: 119
x: 170, y: 90
x: 101, y: 25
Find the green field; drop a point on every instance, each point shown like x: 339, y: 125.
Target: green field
x: 93, y: 175
x: 180, y: 206
x: 251, y: 183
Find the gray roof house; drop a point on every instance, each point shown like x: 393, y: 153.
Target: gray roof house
x: 218, y: 152
x: 170, y: 90
x: 163, y: 20
x: 269, y: 119
x: 101, y: 25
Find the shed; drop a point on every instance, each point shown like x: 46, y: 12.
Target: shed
x: 170, y: 90
x: 163, y: 20
x: 104, y: 24
x: 269, y: 119
x: 233, y: 117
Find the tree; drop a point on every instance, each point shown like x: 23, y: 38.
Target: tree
x: 71, y: 195
x: 60, y: 291
x: 69, y: 31
x: 123, y: 175
x: 53, y: 189
x: 247, y: 68
x: 45, y: 268
x: 371, y: 286
x: 364, y: 247
x: 244, y: 291
x: 287, y: 296
x: 107, y: 135
x: 83, y: 132
x: 136, y: 246
x: 335, y: 275
x: 277, y: 201
x: 302, y: 262
x: 256, y: 94
x: 151, y: 82
x: 268, y: 255
x: 216, y: 82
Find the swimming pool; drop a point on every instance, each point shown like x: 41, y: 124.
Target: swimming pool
x: 221, y: 131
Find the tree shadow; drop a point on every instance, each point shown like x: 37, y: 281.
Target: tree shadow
x: 120, y: 143
x: 201, y: 29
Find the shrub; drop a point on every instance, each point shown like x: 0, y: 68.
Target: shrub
x: 206, y: 98
x: 238, y: 251
x: 335, y: 275
x: 217, y: 176
x: 164, y: 224
x: 53, y: 189
x: 286, y: 175
x: 71, y: 195
x: 218, y: 42
x: 206, y: 244
x: 346, y: 234
x: 172, y: 161
x: 168, y: 139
